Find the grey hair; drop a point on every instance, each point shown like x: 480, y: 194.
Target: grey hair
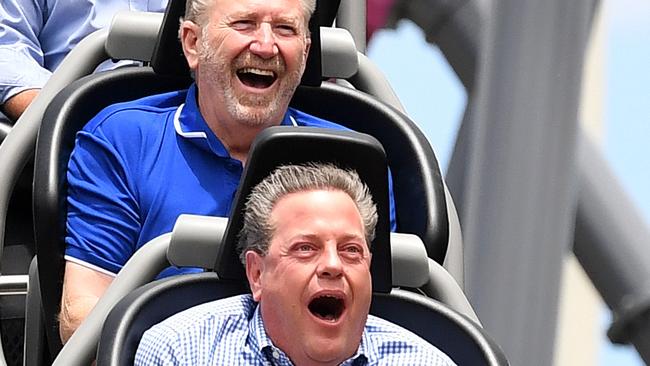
x: 197, y: 10
x: 257, y: 230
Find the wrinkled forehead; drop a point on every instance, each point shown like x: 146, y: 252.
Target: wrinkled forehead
x: 314, y: 205
x: 278, y: 10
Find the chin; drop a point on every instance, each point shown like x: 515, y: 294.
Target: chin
x: 258, y: 118
x: 329, y: 351
x: 268, y: 114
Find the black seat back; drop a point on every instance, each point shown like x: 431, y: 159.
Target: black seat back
x: 151, y: 304
x: 277, y: 146
x: 453, y: 333
x: 420, y: 203
x: 272, y: 148
x: 73, y: 107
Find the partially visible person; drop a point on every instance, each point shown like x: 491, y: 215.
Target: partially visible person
x: 138, y: 165
x: 305, y: 244
x: 35, y: 36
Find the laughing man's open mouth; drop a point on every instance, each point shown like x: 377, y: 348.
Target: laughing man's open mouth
x: 328, y: 308
x: 256, y: 78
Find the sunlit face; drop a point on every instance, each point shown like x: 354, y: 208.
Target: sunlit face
x: 251, y: 56
x: 314, y: 285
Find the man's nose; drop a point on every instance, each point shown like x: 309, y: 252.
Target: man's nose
x: 264, y: 44
x: 330, y: 265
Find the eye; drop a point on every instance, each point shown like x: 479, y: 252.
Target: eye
x: 352, y: 251
x: 286, y: 29
x: 304, y: 249
x: 243, y: 25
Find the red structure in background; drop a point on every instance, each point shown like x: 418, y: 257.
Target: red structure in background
x: 377, y: 12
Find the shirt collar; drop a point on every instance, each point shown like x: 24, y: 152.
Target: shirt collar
x: 261, y: 341
x: 289, y: 118
x: 366, y: 350
x: 190, y: 124
x: 263, y: 344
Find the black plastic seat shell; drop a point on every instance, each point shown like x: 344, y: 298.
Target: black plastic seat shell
x: 70, y: 110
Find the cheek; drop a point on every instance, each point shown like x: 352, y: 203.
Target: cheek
x: 362, y: 281
x: 287, y: 273
x: 228, y: 45
x: 294, y: 55
x: 286, y: 285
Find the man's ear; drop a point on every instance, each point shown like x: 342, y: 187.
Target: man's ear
x: 190, y: 33
x: 254, y: 268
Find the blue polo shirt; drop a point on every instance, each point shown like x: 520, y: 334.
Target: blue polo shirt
x: 138, y: 165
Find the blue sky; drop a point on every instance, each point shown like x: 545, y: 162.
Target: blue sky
x: 435, y: 99
x: 627, y: 118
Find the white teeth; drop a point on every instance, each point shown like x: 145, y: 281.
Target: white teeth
x: 253, y: 70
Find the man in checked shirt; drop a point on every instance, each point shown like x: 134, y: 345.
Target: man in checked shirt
x: 305, y: 247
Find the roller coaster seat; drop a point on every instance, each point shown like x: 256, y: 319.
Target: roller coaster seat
x: 418, y: 187
x: 461, y: 338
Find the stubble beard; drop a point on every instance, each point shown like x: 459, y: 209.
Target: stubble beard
x: 251, y: 110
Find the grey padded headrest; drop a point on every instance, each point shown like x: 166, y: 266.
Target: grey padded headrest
x: 338, y: 53
x: 195, y: 240
x: 133, y: 35
x: 410, y: 264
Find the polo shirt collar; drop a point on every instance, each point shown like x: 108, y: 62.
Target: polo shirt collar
x: 190, y: 124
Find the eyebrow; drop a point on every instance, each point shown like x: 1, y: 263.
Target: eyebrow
x: 252, y: 14
x: 315, y: 237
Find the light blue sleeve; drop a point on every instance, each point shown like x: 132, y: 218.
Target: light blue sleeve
x: 21, y: 57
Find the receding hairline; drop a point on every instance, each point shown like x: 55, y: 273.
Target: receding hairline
x: 307, y: 9
x: 330, y: 189
x: 316, y: 189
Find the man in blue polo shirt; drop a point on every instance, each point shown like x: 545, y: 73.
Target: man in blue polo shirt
x: 136, y: 166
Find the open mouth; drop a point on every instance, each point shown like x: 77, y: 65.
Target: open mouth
x: 256, y: 78
x: 328, y: 308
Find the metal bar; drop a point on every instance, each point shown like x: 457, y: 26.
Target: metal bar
x: 616, y: 258
x: 143, y: 267
x: 352, y: 16
x: 455, y: 26
x: 611, y: 243
x: 519, y: 185
x: 371, y: 80
x: 13, y: 284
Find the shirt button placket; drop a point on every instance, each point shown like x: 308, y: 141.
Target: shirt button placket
x: 276, y: 356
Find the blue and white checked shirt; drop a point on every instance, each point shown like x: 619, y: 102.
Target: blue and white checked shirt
x: 230, y: 332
